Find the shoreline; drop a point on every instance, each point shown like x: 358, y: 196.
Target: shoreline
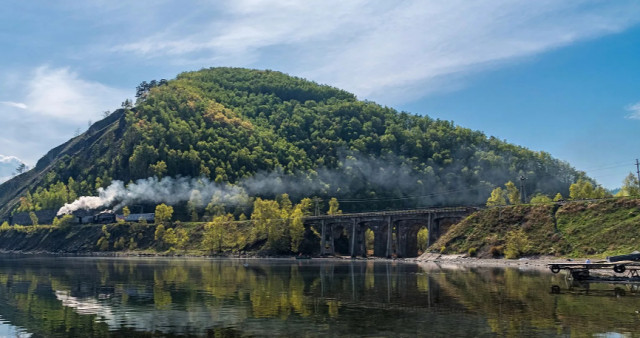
x: 462, y: 260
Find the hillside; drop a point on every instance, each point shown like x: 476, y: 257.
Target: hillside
x: 272, y: 133
x: 579, y: 229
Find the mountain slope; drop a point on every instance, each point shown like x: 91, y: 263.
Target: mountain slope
x: 277, y: 133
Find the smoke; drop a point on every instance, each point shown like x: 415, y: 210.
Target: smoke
x: 166, y: 190
x: 385, y: 180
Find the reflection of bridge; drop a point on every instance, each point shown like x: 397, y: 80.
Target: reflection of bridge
x: 396, y: 232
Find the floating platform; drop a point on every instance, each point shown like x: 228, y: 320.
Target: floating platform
x: 581, y: 271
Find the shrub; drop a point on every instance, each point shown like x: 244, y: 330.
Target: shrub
x: 5, y: 226
x: 132, y: 244
x: 119, y: 244
x: 516, y: 245
x: 103, y: 244
x: 496, y: 250
x: 64, y: 222
x: 443, y: 249
x: 472, y: 252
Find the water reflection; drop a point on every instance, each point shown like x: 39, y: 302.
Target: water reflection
x: 196, y: 297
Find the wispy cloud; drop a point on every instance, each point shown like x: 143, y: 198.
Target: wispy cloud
x: 377, y: 47
x: 14, y: 104
x: 60, y: 93
x: 634, y: 111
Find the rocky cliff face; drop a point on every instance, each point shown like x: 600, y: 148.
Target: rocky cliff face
x: 12, y: 190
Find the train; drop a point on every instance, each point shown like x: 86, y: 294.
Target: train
x: 107, y: 217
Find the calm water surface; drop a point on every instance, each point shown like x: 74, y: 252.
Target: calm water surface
x: 48, y: 297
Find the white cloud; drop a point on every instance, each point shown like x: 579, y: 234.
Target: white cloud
x: 14, y: 104
x: 634, y: 111
x: 60, y: 93
x: 8, y: 165
x: 374, y: 48
x: 9, y: 159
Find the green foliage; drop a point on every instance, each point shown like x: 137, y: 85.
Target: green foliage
x: 512, y: 193
x: 34, y: 218
x: 227, y: 124
x: 119, y: 244
x: 583, y: 189
x: 63, y: 222
x: 5, y: 226
x: 334, y: 207
x: 170, y: 237
x: 497, y: 198
x: 423, y: 239
x: 218, y: 234
x: 630, y: 186
x: 126, y: 212
x: 103, y: 242
x: 472, y: 252
x: 296, y: 227
x: 159, y: 233
x: 132, y: 244
x: 163, y: 213
x: 516, y: 244
x: 540, y: 199
x: 558, y: 197
x: 369, y: 238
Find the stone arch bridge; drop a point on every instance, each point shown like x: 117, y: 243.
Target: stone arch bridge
x: 396, y: 232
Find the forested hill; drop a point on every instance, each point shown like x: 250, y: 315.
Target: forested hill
x: 276, y: 133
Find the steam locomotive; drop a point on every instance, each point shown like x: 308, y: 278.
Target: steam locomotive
x: 106, y: 217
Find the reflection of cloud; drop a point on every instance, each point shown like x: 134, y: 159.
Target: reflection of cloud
x: 61, y: 93
x: 634, y: 111
x: 147, y: 318
x: 370, y: 47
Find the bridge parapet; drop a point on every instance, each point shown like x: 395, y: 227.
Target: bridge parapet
x: 455, y: 210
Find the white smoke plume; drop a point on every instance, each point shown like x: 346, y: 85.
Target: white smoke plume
x: 151, y: 190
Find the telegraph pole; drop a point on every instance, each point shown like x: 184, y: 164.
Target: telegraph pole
x: 317, y: 201
x: 638, y: 171
x: 522, y: 192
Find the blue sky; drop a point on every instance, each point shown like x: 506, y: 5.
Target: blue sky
x: 554, y: 76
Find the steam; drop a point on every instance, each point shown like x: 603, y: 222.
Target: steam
x: 166, y: 190
x: 384, y: 181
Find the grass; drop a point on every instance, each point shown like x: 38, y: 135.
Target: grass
x: 598, y: 229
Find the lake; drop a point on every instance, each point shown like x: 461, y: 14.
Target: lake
x: 86, y: 296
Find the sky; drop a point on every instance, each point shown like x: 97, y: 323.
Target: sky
x: 553, y: 76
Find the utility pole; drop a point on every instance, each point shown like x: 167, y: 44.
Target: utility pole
x: 523, y: 194
x: 638, y: 171
x: 317, y: 200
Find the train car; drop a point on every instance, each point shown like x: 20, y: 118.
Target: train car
x: 105, y: 218
x: 148, y: 217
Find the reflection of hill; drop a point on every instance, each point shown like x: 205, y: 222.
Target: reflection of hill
x: 145, y: 297
x: 517, y: 303
x: 132, y: 296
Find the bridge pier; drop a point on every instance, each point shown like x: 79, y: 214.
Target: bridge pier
x: 323, y: 238
x: 353, y: 237
x: 389, y: 251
